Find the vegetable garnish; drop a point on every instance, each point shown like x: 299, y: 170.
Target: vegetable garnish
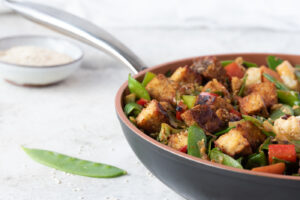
x: 196, y: 136
x: 278, y: 168
x: 291, y: 98
x: 241, y: 92
x: 245, y: 63
x: 224, y: 131
x: 137, y: 88
x: 273, y: 62
x: 132, y: 108
x: 189, y: 100
x: 73, y: 165
x: 282, y: 151
x: 217, y: 156
x: 278, y: 85
x: 256, y: 160
x: 148, y: 77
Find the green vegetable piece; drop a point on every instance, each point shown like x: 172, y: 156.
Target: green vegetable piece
x: 289, y: 97
x: 224, y: 131
x: 278, y: 85
x: 283, y: 110
x: 189, y: 100
x: 269, y: 134
x: 256, y: 160
x: 147, y: 78
x: 210, y: 144
x: 265, y: 144
x: 73, y: 165
x: 196, y: 136
x: 130, y: 98
x: 217, y: 156
x: 132, y: 108
x: 255, y: 121
x: 241, y: 92
x: 240, y: 159
x: 296, y: 111
x: 273, y: 62
x: 245, y: 63
x: 137, y: 88
x: 165, y: 131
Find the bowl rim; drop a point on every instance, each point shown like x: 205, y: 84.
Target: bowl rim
x: 78, y: 59
x: 138, y: 132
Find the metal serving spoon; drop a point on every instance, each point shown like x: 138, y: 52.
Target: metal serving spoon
x: 79, y: 29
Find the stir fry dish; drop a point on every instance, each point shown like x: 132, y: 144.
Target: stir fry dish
x: 232, y: 112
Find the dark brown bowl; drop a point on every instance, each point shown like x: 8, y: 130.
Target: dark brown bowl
x: 194, y: 178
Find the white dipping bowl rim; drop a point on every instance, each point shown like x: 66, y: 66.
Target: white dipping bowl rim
x: 27, y: 75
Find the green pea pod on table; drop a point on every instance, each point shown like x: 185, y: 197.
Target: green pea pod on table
x: 273, y: 62
x: 137, y: 88
x: 289, y: 97
x: 73, y: 165
x: 147, y: 78
x: 196, y: 138
x: 218, y: 156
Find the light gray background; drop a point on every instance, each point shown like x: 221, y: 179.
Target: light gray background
x: 77, y: 117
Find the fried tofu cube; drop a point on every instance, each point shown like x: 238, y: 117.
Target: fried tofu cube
x: 242, y: 140
x: 151, y: 117
x: 287, y: 129
x: 267, y: 91
x: 254, y: 76
x: 178, y: 140
x: 286, y: 72
x: 233, y: 143
x: 203, y: 116
x: 162, y: 89
x: 215, y: 86
x: 236, y: 85
x: 186, y: 75
x: 253, y: 104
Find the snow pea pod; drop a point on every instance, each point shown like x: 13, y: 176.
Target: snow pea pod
x: 73, y: 165
x: 137, y: 88
x: 196, y: 138
x: 217, y: 156
x: 273, y: 62
x: 245, y: 63
x: 278, y: 85
x: 256, y: 160
x: 147, y: 78
x: 289, y: 97
x: 224, y: 131
x: 132, y: 108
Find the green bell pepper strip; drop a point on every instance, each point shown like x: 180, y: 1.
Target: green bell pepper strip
x: 195, y: 136
x: 189, y: 100
x: 273, y: 62
x: 137, y: 88
x: 291, y: 98
x: 278, y: 85
x: 241, y: 92
x: 165, y: 131
x: 283, y: 110
x: 217, y: 156
x: 245, y: 63
x: 224, y: 131
x: 132, y: 108
x: 256, y: 160
x: 73, y: 165
x: 147, y: 78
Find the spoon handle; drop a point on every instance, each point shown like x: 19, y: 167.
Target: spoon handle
x: 79, y: 29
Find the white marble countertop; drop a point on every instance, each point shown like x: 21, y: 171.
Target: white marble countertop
x: 77, y: 117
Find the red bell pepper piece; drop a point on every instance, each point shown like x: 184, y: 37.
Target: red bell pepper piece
x: 183, y: 149
x: 208, y: 94
x: 233, y: 111
x: 277, y: 168
x: 234, y: 69
x: 282, y: 151
x: 142, y: 102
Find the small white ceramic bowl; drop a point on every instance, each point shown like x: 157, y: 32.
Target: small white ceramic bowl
x: 39, y: 76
